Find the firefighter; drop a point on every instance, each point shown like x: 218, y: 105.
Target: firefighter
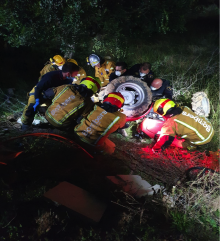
x: 57, y: 62
x: 103, y: 68
x: 161, y: 88
x: 71, y: 101
x: 142, y: 71
x: 49, y: 80
x: 182, y: 128
x: 54, y: 64
x: 103, y: 120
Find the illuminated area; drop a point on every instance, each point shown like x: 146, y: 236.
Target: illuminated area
x: 151, y: 127
x: 183, y: 159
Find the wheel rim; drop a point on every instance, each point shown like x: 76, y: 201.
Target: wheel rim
x: 133, y: 94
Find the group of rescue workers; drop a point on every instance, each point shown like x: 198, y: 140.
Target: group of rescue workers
x: 66, y: 90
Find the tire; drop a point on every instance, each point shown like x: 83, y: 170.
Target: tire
x: 137, y: 94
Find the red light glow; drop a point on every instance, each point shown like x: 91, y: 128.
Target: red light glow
x: 182, y: 158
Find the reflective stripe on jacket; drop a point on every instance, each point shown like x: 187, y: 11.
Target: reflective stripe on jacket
x: 104, y: 71
x: 97, y: 126
x: 66, y: 106
x: 190, y: 124
x: 198, y: 130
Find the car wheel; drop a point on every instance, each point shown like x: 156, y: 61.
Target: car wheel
x: 136, y: 92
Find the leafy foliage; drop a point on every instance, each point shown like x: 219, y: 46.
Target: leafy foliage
x: 63, y: 23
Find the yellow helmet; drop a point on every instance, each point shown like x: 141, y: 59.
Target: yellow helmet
x: 92, y: 83
x: 59, y: 60
x: 72, y: 60
x: 161, y: 106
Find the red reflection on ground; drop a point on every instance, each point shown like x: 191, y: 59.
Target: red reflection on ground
x: 183, y: 158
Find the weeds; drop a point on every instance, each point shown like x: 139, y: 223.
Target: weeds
x: 190, y: 67
x: 196, y: 208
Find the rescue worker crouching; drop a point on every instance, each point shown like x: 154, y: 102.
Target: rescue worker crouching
x: 103, y: 68
x: 103, y: 120
x: 49, y: 80
x: 71, y: 101
x: 182, y: 128
x: 161, y: 88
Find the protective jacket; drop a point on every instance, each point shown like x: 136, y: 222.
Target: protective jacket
x: 104, y: 71
x: 67, y: 105
x: 194, y: 129
x: 48, y: 68
x: 98, y: 125
x: 165, y: 90
x: 135, y: 71
x: 81, y: 75
x: 49, y: 80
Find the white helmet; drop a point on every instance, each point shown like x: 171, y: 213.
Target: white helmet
x: 94, y: 60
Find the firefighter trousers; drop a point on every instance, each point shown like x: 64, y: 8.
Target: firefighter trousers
x: 29, y: 113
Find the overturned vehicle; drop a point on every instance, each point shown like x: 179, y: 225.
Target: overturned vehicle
x: 139, y: 104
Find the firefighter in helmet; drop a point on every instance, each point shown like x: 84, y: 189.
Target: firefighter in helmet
x: 182, y: 128
x: 103, y: 120
x: 57, y: 62
x: 103, y: 68
x: 71, y: 101
x: 36, y: 95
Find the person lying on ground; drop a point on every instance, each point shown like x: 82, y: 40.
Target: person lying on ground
x: 142, y: 71
x: 161, y: 88
x: 49, y: 80
x: 103, y: 120
x: 182, y: 128
x: 71, y: 101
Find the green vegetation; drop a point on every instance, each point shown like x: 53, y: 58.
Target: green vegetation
x: 191, y: 220
x: 66, y: 24
x: 189, y: 60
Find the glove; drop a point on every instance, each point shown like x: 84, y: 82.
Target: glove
x: 37, y: 102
